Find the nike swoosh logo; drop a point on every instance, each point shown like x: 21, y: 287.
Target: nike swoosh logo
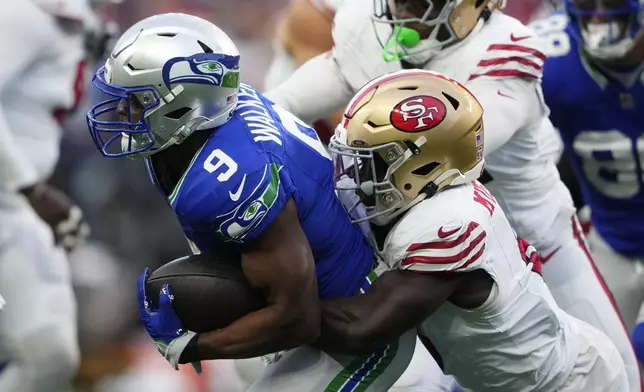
x: 549, y: 256
x: 235, y: 196
x: 504, y: 95
x: 517, y: 39
x: 445, y: 234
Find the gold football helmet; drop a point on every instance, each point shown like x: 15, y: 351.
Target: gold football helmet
x: 404, y: 137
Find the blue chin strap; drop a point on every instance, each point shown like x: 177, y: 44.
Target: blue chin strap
x: 105, y: 127
x: 632, y: 10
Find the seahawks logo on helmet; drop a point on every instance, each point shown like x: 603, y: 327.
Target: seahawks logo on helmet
x: 204, y: 68
x: 250, y: 213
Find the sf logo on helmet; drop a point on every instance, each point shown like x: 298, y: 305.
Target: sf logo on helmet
x: 418, y: 113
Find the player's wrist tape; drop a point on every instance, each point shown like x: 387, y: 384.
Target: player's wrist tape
x: 191, y: 351
x: 172, y: 351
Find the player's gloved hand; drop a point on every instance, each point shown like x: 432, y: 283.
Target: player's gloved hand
x: 163, y: 325
x: 60, y: 213
x: 530, y: 255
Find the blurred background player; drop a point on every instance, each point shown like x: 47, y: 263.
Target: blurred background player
x: 41, y: 78
x: 303, y: 31
x: 594, y: 85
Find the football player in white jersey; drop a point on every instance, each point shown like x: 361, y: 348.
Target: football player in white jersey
x: 42, y: 51
x: 500, y: 61
x: 413, y: 143
x: 596, y: 56
x: 303, y: 32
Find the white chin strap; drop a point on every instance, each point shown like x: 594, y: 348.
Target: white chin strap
x: 599, y: 37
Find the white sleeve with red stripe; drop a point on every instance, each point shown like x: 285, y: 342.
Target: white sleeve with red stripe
x: 314, y: 91
x: 452, y: 248
x: 511, y: 60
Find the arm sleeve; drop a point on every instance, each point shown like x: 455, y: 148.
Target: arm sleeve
x: 506, y: 81
x: 22, y: 41
x: 454, y: 247
x: 508, y: 106
x: 316, y: 90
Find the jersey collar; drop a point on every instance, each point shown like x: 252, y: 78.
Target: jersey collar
x: 598, y: 73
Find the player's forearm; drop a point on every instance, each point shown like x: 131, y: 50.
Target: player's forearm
x: 346, y: 327
x: 397, y: 302
x: 315, y: 91
x: 262, y: 332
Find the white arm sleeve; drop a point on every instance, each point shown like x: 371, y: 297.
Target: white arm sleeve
x: 316, y: 90
x: 21, y: 42
x: 508, y: 106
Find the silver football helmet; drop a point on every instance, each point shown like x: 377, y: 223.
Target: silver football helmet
x: 168, y: 76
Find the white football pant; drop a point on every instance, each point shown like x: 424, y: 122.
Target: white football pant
x: 38, y: 331
x: 623, y: 276
x: 599, y: 366
x: 578, y: 288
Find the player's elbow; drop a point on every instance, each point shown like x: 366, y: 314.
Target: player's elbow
x: 301, y: 323
x: 361, y: 339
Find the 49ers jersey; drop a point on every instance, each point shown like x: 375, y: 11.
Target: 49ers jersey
x: 518, y: 340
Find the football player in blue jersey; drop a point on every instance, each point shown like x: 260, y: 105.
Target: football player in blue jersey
x: 243, y: 176
x: 593, y: 83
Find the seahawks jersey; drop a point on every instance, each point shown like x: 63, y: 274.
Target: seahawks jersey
x: 601, y: 122
x: 245, y: 174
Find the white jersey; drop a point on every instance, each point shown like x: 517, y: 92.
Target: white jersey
x: 40, y: 76
x: 501, y: 64
x: 519, y: 339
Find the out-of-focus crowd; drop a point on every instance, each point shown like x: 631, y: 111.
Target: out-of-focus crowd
x: 131, y: 225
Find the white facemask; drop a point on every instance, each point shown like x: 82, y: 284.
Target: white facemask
x: 599, y: 39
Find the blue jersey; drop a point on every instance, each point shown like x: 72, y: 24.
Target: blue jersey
x: 602, y: 126
x: 244, y: 175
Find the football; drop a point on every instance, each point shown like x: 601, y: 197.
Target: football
x: 210, y: 292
